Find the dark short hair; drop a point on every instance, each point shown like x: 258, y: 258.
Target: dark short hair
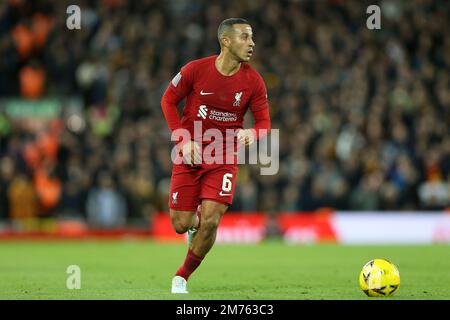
x: 227, y: 24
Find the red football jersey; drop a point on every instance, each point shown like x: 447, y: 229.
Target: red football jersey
x: 216, y: 100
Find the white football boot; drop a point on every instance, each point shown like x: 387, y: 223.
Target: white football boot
x: 192, y: 231
x: 179, y: 285
x: 190, y: 235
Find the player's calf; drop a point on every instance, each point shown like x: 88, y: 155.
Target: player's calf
x: 212, y: 213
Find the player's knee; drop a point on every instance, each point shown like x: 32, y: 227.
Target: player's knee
x: 180, y: 226
x: 210, y: 224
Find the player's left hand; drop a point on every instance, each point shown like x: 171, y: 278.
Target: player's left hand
x: 246, y: 136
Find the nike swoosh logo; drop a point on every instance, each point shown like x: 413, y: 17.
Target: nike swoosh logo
x: 224, y: 194
x: 205, y: 93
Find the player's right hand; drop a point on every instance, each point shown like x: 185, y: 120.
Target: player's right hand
x: 191, y: 153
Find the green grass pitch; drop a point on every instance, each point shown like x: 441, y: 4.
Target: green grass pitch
x: 144, y: 269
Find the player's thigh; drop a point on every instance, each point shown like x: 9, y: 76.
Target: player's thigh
x: 185, y: 187
x: 219, y: 184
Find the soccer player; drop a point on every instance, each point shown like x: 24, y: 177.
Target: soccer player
x: 219, y: 90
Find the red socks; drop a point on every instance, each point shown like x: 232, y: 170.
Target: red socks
x: 191, y: 263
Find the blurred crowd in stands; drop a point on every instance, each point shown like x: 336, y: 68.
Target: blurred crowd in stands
x: 364, y: 114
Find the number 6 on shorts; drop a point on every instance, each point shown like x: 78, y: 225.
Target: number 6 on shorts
x: 226, y: 182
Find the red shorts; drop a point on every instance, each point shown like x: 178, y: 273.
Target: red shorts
x: 190, y: 185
